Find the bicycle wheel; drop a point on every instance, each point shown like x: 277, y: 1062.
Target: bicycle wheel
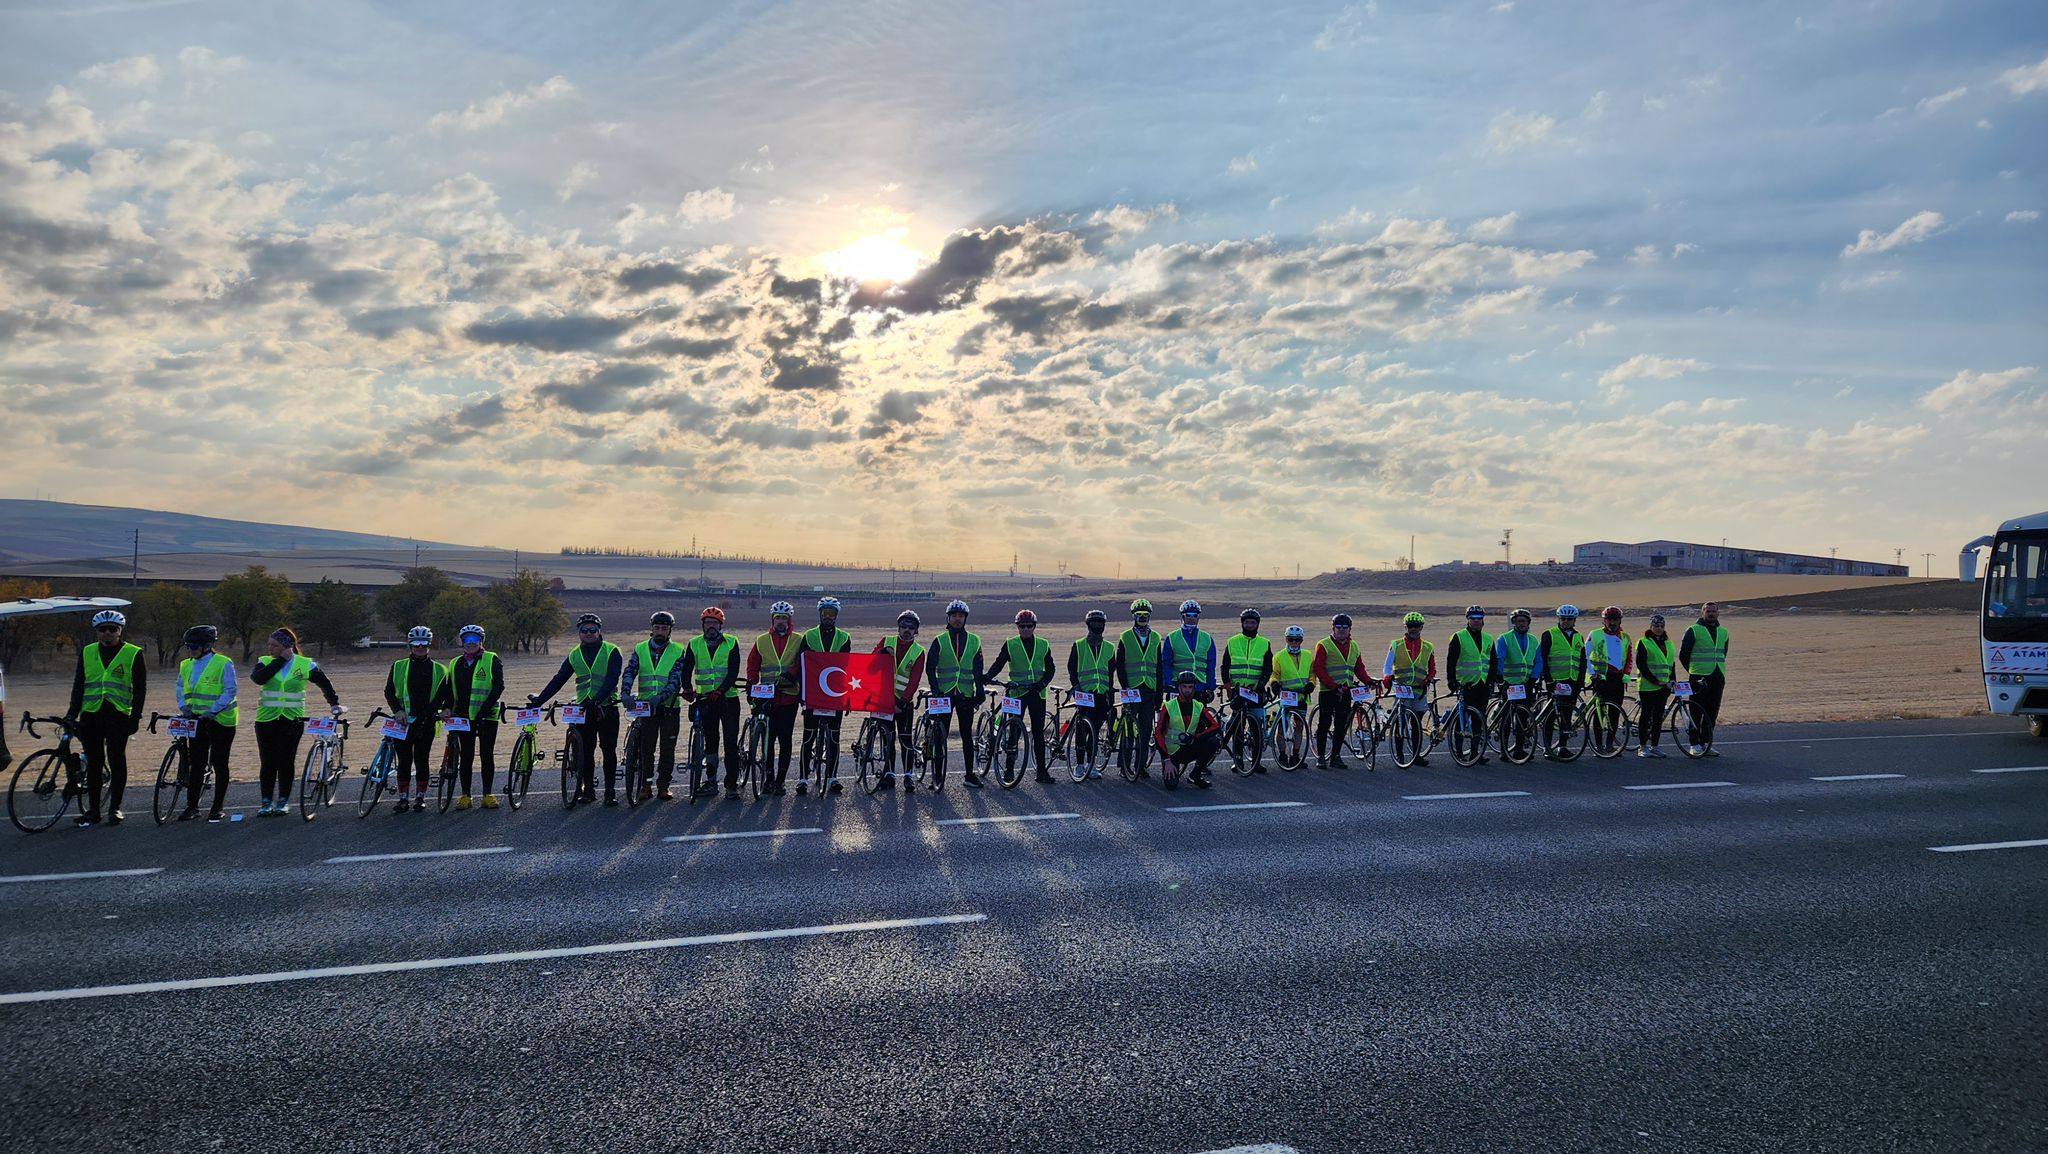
x: 38, y: 799
x: 572, y: 765
x: 1237, y: 737
x: 1678, y: 723
x: 700, y: 773
x: 1006, y: 756
x: 1290, y: 745
x: 637, y: 775
x: 445, y: 783
x: 519, y: 769
x: 1141, y: 736
x: 750, y: 754
x: 932, y: 766
x: 1518, y: 735
x: 1362, y: 735
x: 1466, y: 744
x: 885, y: 752
x: 1124, y: 732
x: 374, y: 777
x: 1406, y: 727
x: 313, y: 782
x: 1602, y: 725
x: 170, y: 783
x: 1080, y: 743
x: 864, y: 756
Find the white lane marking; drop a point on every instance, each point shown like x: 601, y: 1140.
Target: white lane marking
x: 2014, y: 769
x: 1860, y: 777
x: 1989, y: 845
x: 81, y: 876
x: 1680, y: 785
x: 419, y: 854
x: 742, y: 833
x: 1463, y: 796
x: 1261, y: 1148
x: 482, y: 959
x: 1237, y: 805
x: 1866, y: 737
x: 1011, y: 817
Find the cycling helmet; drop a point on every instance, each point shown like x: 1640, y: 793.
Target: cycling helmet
x: 1611, y: 613
x: 1656, y: 619
x: 590, y: 619
x: 661, y: 617
x: 202, y: 635
x: 1187, y: 677
x: 713, y: 613
x: 781, y: 609
x: 1519, y: 615
x: 1568, y: 612
x: 910, y: 618
x: 107, y: 617
x: 468, y: 631
x: 1248, y: 615
x: 831, y: 603
x: 1095, y: 617
x: 1341, y: 621
x: 1026, y: 617
x: 1472, y: 611
x: 1294, y: 633
x: 956, y: 606
x: 1191, y: 606
x: 1141, y: 606
x: 419, y: 635
x: 1414, y: 619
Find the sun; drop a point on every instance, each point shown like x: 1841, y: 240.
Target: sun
x: 879, y: 258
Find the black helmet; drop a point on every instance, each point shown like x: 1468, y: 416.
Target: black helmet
x: 1096, y: 617
x: 1248, y: 615
x: 1472, y: 611
x: 202, y: 635
x: 662, y: 617
x: 1341, y: 621
x: 590, y: 619
x: 1187, y: 677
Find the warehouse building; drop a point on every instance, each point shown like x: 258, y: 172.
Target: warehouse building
x: 1726, y: 559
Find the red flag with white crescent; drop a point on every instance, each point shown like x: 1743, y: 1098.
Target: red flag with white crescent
x: 850, y: 682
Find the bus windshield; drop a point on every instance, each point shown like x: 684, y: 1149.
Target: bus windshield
x: 2016, y: 587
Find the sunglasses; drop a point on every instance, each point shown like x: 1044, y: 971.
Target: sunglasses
x: 586, y: 629
x: 108, y: 628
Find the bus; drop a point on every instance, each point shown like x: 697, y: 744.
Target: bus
x: 2013, y: 621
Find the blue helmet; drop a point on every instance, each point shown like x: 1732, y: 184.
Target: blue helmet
x: 1568, y: 612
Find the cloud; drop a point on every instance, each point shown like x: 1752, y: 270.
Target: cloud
x: 1931, y: 103
x: 1596, y: 329
x: 582, y: 174
x: 495, y: 109
x: 1653, y: 368
x: 2022, y: 216
x: 1347, y: 27
x: 1968, y: 389
x: 1913, y: 230
x: 555, y: 334
x: 895, y: 408
x: 1516, y: 130
x: 1124, y: 219
x: 1683, y: 249
x: 706, y: 206
x: 2028, y: 78
x: 1645, y: 254
x: 651, y: 275
x: 1243, y: 165
x: 1496, y: 227
x: 130, y: 72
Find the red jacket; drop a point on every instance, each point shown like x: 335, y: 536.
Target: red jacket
x: 1209, y: 723
x: 1320, y: 667
x: 785, y: 694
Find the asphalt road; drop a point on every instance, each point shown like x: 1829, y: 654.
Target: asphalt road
x: 1776, y: 963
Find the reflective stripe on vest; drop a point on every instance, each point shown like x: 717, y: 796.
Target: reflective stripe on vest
x: 953, y: 670
x: 1030, y: 663
x: 1141, y: 659
x: 1473, y: 661
x: 707, y: 668
x: 904, y: 661
x: 1340, y: 662
x: 1412, y: 672
x: 401, y: 677
x: 205, y: 689
x: 1709, y: 649
x: 1177, y: 727
x: 814, y: 640
x: 1092, y: 663
x: 1518, y: 652
x: 1658, y: 660
x: 283, y: 697
x: 1564, y: 666
x: 478, y: 686
x: 1243, y: 658
x: 590, y: 674
x: 1295, y: 671
x: 112, y: 683
x: 1190, y: 659
x: 776, y: 664
x: 651, y: 675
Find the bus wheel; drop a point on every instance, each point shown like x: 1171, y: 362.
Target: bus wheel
x: 2038, y: 725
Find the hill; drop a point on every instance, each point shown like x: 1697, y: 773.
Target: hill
x: 57, y: 530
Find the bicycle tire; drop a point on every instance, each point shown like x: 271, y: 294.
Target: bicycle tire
x: 1009, y: 742
x: 1236, y: 736
x: 1141, y: 733
x: 519, y: 768
x: 1124, y: 728
x: 1079, y: 745
x: 1293, y: 734
x: 572, y: 766
x: 636, y: 742
x: 863, y: 762
x: 700, y: 773
x: 937, y: 735
x: 375, y: 775
x: 1406, y: 725
x: 1605, y: 747
x: 444, y: 783
x: 170, y: 782
x: 1678, y: 722
x: 1518, y: 732
x: 37, y: 799
x: 313, y: 782
x: 1464, y: 749
x: 750, y: 763
x: 1362, y: 735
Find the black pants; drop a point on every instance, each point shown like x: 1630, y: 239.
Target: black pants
x: 1706, y: 705
x: 481, y: 738
x: 209, y: 747
x: 963, y: 716
x: 906, y: 721
x: 1099, y: 718
x: 1475, y: 698
x: 1557, y: 725
x: 781, y: 735
x: 6, y: 758
x: 600, y: 734
x: 718, y: 718
x: 1034, y: 720
x: 1249, y: 710
x: 1197, y: 751
x: 826, y: 748
x: 1510, y: 736
x: 1650, y: 721
x: 416, y: 754
x: 1333, y: 721
x: 668, y: 725
x: 103, y: 738
x: 1608, y: 687
x: 277, y: 746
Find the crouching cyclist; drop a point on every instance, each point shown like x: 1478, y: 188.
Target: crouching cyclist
x: 1188, y: 735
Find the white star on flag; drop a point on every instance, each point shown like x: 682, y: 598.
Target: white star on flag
x: 854, y: 682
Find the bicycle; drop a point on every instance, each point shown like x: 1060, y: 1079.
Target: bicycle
x: 1679, y: 719
x: 1512, y: 721
x: 638, y: 758
x: 1004, y: 753
x: 754, y: 745
x: 49, y: 780
x: 703, y: 778
x: 1246, y: 726
x: 1131, y: 734
x: 326, y: 764
x: 1287, y: 730
x: 1412, y: 729
x: 451, y: 760
x: 570, y: 756
x: 170, y: 773
x: 934, y: 729
x: 377, y: 775
x: 1608, y: 726
x: 1465, y: 730
x: 1074, y: 740
x: 525, y: 750
x: 1556, y: 723
x: 821, y: 743
x: 874, y: 752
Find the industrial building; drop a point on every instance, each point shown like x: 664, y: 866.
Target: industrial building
x: 1726, y: 559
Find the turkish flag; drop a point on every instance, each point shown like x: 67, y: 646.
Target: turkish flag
x: 850, y: 682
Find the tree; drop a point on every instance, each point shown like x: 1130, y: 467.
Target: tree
x: 162, y: 613
x: 528, y: 608
x: 20, y: 637
x: 250, y: 602
x: 331, y: 613
x: 452, y: 609
x: 404, y: 605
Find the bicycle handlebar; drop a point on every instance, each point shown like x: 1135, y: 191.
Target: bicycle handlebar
x: 29, y: 721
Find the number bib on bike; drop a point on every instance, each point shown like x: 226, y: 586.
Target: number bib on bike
x: 456, y: 725
x: 320, y: 727
x: 573, y: 715
x: 1289, y: 697
x: 1361, y: 694
x: 529, y: 716
x: 1248, y: 695
x: 1131, y: 697
x: 1404, y: 692
x: 394, y: 729
x: 1562, y: 691
x: 640, y: 710
x: 183, y: 727
x: 1682, y: 688
x: 939, y: 705
x: 1083, y: 699
x: 1518, y: 693
x: 761, y: 691
x: 1013, y: 706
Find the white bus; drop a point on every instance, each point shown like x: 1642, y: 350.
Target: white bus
x: 2013, y: 623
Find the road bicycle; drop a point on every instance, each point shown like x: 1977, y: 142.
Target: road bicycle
x: 1245, y: 725
x: 821, y: 750
x: 525, y: 750
x: 1130, y: 734
x: 1608, y: 727
x: 1464, y: 730
x: 573, y: 718
x: 1679, y: 719
x: 1074, y: 740
x: 377, y: 775
x: 1512, y: 721
x: 451, y: 760
x: 170, y: 773
x: 1557, y: 723
x: 874, y: 752
x: 1003, y: 751
x: 934, y: 733
x: 638, y: 758
x: 1365, y: 727
x: 326, y: 764
x: 754, y: 741
x: 1413, y: 726
x: 49, y: 780
x: 1287, y: 729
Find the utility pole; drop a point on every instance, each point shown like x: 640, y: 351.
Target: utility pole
x: 1411, y: 552
x: 135, y: 563
x: 1928, y: 560
x: 415, y: 554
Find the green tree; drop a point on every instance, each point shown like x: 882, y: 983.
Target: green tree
x: 528, y: 607
x: 331, y: 613
x: 250, y: 602
x: 404, y: 605
x: 162, y: 613
x: 452, y: 609
x: 20, y: 637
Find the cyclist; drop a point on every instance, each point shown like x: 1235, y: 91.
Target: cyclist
x: 1138, y: 655
x: 1518, y: 660
x: 1294, y: 667
x: 1703, y: 651
x: 710, y: 674
x: 1656, y: 664
x: 1189, y: 648
x: 650, y: 676
x: 1411, y: 661
x: 1337, y: 666
x: 1470, y: 657
x: 1029, y: 659
x: 476, y: 680
x: 281, y: 714
x: 416, y: 691
x: 1247, y: 666
x: 1187, y: 734
x: 1608, y: 663
x: 1091, y: 668
x: 107, y: 697
x: 773, y: 662
x: 954, y: 671
x: 826, y: 638
x: 595, y: 664
x: 1563, y: 653
x: 206, y: 690
x: 908, y: 658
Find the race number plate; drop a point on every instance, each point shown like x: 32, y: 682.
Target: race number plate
x: 938, y: 705
x: 1013, y: 706
x: 1562, y: 690
x: 182, y: 727
x: 573, y: 714
x: 1518, y: 693
x: 1682, y: 688
x: 528, y: 716
x: 1247, y: 695
x: 1131, y: 696
x: 639, y: 709
x: 1083, y: 700
x: 1404, y: 692
x: 762, y: 691
x: 1361, y: 694
x: 394, y: 729
x: 320, y: 727
x: 456, y: 725
x: 1289, y: 697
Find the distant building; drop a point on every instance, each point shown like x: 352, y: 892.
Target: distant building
x: 1726, y: 559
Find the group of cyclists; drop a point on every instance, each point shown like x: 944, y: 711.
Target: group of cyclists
x: 1177, y: 693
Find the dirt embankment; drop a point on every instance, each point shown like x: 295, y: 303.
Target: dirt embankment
x: 1934, y: 596
x: 1481, y: 578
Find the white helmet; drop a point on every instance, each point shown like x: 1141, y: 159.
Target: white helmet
x: 108, y: 617
x: 419, y: 635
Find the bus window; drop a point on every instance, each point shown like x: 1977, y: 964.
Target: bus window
x: 2017, y: 582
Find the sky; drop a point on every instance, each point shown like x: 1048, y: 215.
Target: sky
x: 1193, y: 288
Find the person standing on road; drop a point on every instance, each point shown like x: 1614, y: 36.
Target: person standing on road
x: 1247, y: 667
x: 1655, y: 664
x: 206, y: 690
x: 6, y: 758
x: 1411, y: 661
x: 281, y: 680
x: 596, y: 665
x: 417, y: 691
x: 826, y: 638
x: 1188, y: 734
x: 1473, y: 671
x: 1293, y: 666
x: 710, y: 676
x: 1189, y: 649
x: 955, y: 673
x: 476, y: 680
x: 773, y: 662
x: 1337, y: 666
x: 1704, y: 653
x: 1564, y: 665
x: 1518, y: 661
x: 107, y: 698
x: 1138, y: 653
x: 1609, y: 659
x: 1029, y: 659
x: 650, y: 677
x: 1091, y: 669
x: 907, y: 656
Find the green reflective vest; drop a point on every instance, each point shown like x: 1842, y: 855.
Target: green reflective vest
x: 1027, y: 663
x: 204, y: 685
x: 1518, y: 653
x: 110, y: 683
x: 1709, y: 649
x: 590, y: 674
x: 1473, y: 660
x: 814, y: 640
x: 1092, y: 663
x: 1411, y: 671
x: 1141, y: 659
x: 283, y: 697
x: 1658, y: 660
x: 651, y: 676
x: 953, y: 669
x: 1190, y: 658
x: 401, y: 686
x: 1567, y: 656
x: 1180, y: 725
x: 478, y: 686
x: 1294, y: 669
x: 707, y: 666
x: 776, y: 662
x: 905, y: 661
x: 1243, y: 658
x: 1597, y: 662
x: 1340, y: 662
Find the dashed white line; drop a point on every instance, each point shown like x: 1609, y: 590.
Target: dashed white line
x: 1260, y: 1148
x: 482, y: 959
x: 742, y: 833
x: 1008, y: 818
x: 136, y: 873
x: 1238, y: 805
x: 1681, y: 785
x: 1463, y: 796
x: 489, y: 849
x: 2039, y: 841
x: 1865, y: 737
x: 1859, y: 777
x: 2014, y: 769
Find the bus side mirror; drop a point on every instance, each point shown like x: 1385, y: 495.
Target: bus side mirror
x: 1966, y: 561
